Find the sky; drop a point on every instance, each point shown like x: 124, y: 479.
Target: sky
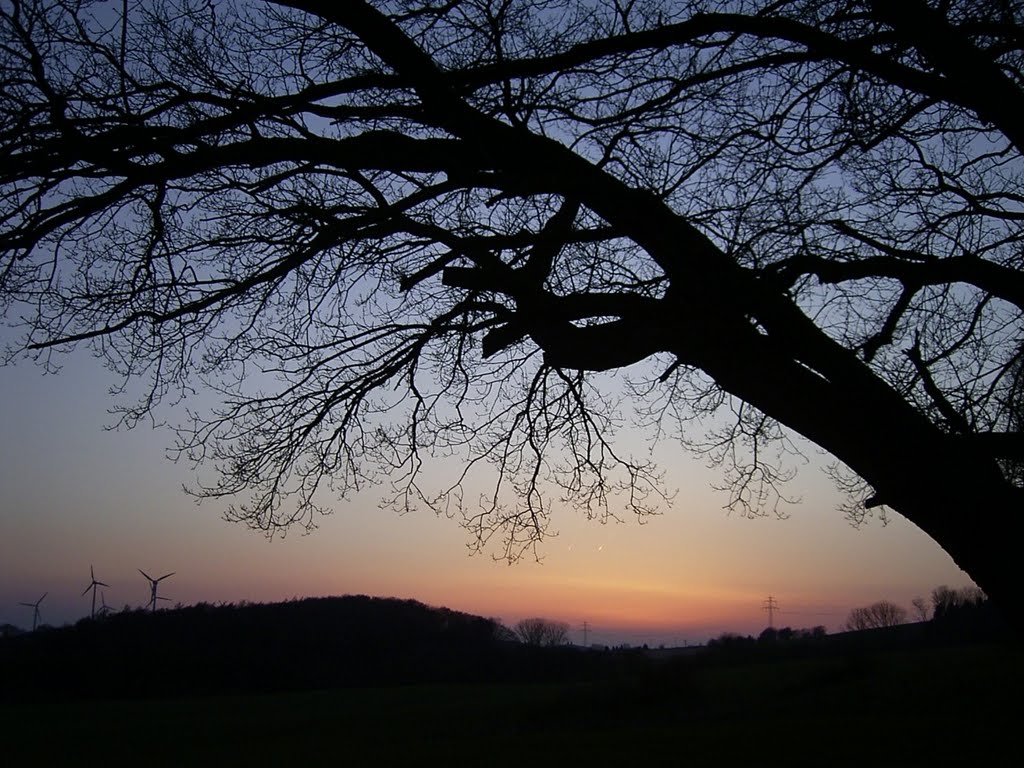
x: 75, y: 494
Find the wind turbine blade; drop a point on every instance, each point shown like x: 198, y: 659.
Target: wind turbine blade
x: 148, y: 577
x: 28, y: 605
x: 100, y: 584
x: 43, y: 597
x: 92, y: 573
x: 88, y: 588
x: 166, y: 576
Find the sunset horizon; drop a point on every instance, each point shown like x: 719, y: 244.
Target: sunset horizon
x: 77, y: 495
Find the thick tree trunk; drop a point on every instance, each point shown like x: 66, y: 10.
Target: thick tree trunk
x: 940, y: 482
x: 792, y: 371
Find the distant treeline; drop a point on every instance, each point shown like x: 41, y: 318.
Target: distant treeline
x: 958, y: 616
x: 319, y: 643
x: 302, y: 644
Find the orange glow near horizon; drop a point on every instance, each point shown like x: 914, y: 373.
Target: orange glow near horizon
x: 76, y: 496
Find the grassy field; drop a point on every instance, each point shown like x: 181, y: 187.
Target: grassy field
x: 958, y: 706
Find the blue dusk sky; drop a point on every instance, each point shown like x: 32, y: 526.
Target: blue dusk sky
x: 75, y: 495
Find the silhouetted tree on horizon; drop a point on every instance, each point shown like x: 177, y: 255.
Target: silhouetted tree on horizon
x: 876, y: 616
x: 495, y: 231
x: 542, y: 632
x: 922, y: 610
x: 947, y: 601
x: 788, y: 634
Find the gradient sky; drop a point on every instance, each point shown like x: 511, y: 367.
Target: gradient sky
x: 74, y: 495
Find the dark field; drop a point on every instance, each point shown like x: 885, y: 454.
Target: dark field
x: 936, y: 706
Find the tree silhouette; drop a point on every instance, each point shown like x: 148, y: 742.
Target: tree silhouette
x: 496, y: 230
x: 950, y: 602
x: 875, y: 616
x: 922, y: 610
x: 542, y: 632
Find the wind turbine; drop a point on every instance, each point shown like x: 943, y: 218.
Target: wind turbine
x: 35, y: 610
x: 104, y: 608
x: 92, y: 585
x: 152, y: 587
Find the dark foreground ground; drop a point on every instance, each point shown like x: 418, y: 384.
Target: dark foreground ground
x: 935, y: 706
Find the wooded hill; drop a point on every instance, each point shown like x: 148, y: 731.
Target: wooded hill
x: 335, y: 642
x: 297, y: 645
x: 308, y: 643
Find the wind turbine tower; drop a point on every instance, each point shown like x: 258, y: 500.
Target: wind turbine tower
x: 104, y: 608
x: 35, y: 610
x: 92, y: 586
x: 153, y: 587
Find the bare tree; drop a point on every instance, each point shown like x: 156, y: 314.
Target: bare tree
x: 972, y: 595
x: 494, y: 231
x: 922, y: 610
x: 542, y: 632
x: 875, y: 616
x: 946, y: 600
